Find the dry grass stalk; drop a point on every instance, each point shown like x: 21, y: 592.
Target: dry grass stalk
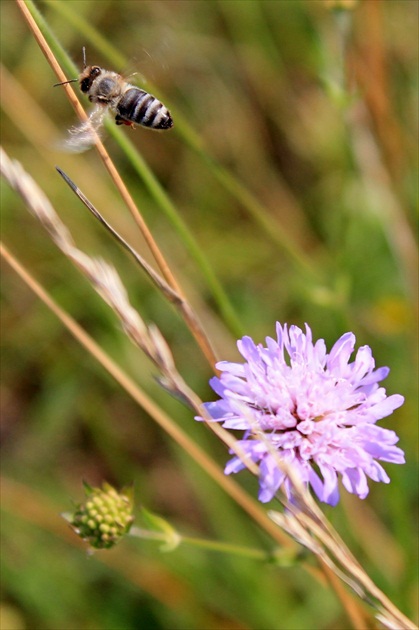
x: 175, y: 298
x: 100, y: 147
x: 107, y: 283
x: 197, y: 330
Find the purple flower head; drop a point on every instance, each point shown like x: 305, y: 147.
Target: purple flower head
x: 316, y: 411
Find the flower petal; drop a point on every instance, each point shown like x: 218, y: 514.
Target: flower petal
x: 318, y: 411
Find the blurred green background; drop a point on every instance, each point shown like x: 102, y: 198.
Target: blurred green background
x: 293, y: 162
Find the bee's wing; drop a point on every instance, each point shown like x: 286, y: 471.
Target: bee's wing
x: 83, y: 136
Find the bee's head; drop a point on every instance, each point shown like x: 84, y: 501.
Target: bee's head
x: 89, y: 74
x: 87, y: 77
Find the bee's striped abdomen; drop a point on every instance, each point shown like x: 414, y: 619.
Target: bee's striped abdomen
x: 144, y: 109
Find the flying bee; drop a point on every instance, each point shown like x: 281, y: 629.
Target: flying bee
x: 110, y: 92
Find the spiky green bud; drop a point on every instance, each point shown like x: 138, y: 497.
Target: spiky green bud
x: 104, y: 517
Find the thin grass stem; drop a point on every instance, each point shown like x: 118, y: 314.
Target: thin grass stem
x: 220, y: 297
x: 101, y: 149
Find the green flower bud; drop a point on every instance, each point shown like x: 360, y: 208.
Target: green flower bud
x: 105, y: 517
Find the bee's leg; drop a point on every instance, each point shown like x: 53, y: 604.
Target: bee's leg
x: 122, y: 121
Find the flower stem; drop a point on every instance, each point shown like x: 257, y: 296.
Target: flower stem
x: 280, y: 556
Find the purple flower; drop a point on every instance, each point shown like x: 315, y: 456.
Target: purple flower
x: 317, y: 412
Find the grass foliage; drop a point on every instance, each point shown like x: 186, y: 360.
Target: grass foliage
x: 286, y: 191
